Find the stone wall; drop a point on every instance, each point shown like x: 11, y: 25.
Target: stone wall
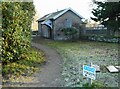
x: 68, y: 19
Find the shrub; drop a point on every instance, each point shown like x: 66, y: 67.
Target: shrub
x: 24, y: 67
x: 16, y: 29
x: 70, y: 32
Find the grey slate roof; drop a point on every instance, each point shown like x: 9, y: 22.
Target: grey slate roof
x: 50, y: 16
x: 57, y: 14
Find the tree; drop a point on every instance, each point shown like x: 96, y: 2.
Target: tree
x: 108, y: 14
x: 16, y: 29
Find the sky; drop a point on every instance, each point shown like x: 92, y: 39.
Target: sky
x: 82, y: 7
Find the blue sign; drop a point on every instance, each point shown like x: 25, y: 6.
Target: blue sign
x: 89, y: 72
x: 89, y: 69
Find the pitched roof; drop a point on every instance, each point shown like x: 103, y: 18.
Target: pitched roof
x: 57, y: 14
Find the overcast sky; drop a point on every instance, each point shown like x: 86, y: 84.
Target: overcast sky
x: 82, y: 7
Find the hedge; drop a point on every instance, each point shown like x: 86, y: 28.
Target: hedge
x: 16, y: 30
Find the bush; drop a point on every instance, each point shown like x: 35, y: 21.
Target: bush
x: 70, y: 32
x: 24, y: 67
x: 16, y: 30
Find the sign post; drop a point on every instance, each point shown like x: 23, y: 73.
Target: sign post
x: 89, y: 79
x: 89, y: 72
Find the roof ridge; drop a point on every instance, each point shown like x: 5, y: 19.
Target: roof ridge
x: 56, y: 14
x: 57, y: 11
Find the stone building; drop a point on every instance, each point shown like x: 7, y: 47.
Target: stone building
x: 50, y: 25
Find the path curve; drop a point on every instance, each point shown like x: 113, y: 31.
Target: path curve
x: 50, y: 75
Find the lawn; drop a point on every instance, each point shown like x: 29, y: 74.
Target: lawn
x: 76, y: 54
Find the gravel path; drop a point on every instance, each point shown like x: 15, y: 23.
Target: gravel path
x: 50, y: 73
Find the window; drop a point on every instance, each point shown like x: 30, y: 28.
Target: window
x: 68, y: 22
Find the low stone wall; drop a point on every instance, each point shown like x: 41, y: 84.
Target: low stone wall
x: 102, y: 39
x: 93, y: 31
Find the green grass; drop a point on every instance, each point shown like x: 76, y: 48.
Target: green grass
x: 79, y: 53
x: 94, y: 85
x: 25, y: 67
